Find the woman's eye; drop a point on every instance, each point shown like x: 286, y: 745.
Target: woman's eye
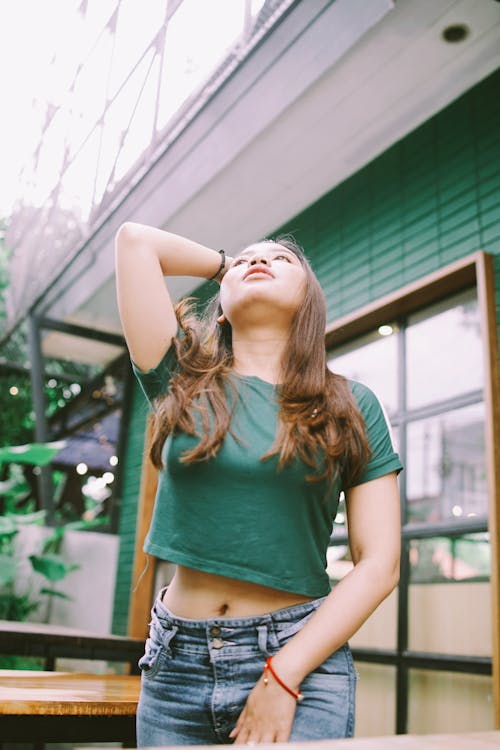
x: 238, y: 262
x: 282, y: 257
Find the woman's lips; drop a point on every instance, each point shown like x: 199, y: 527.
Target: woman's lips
x: 258, y: 272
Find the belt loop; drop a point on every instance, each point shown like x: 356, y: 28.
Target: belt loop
x: 262, y: 638
x: 169, y: 634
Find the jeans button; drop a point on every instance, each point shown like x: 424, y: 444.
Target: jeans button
x: 215, y: 631
x: 217, y: 643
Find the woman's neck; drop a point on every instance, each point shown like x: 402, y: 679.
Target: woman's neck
x: 259, y: 354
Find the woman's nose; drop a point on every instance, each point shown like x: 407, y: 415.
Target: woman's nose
x: 259, y: 259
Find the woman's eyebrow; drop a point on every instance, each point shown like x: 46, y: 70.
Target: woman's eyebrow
x: 276, y: 249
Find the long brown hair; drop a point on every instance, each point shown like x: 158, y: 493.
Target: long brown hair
x: 319, y: 421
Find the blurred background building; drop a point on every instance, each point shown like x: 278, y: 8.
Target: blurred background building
x: 371, y: 131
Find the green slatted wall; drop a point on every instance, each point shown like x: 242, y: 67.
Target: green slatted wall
x: 427, y: 201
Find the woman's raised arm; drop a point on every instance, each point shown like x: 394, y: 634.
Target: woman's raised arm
x: 143, y: 256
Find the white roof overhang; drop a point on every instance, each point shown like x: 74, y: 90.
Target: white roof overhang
x: 333, y: 86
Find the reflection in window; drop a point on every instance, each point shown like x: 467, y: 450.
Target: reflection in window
x: 446, y: 466
x: 338, y: 556
x: 444, y: 353
x: 340, y: 519
x: 339, y: 562
x: 372, y: 360
x: 450, y: 558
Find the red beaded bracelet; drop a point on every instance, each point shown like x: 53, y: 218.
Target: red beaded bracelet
x: 268, y: 667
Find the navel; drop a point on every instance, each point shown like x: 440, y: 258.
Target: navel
x: 223, y: 609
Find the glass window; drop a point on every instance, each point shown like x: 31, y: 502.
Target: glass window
x: 338, y: 562
x: 446, y: 573
x: 443, y: 559
x: 449, y: 702
x: 380, y: 630
x: 375, y: 700
x: 444, y: 351
x: 373, y: 361
x: 446, y: 466
x: 427, y: 371
x: 340, y: 523
x: 449, y: 618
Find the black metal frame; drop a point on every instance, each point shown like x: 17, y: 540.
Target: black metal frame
x: 84, y: 728
x: 402, y: 658
x: 80, y: 645
x: 42, y: 432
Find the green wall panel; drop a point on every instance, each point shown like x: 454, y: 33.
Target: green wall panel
x: 429, y: 200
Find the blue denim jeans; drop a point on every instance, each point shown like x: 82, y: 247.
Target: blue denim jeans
x: 197, y: 674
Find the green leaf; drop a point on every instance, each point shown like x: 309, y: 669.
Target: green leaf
x: 54, y: 592
x: 51, y: 544
x: 29, y: 519
x: 85, y: 524
x: 13, y: 607
x: 53, y: 567
x: 8, y: 485
x: 8, y: 569
x: 7, y: 527
x: 39, y: 454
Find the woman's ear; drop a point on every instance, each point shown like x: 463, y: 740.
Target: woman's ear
x: 221, y: 319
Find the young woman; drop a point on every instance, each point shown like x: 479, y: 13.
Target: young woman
x: 255, y: 439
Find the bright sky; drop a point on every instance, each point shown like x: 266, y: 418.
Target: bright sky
x: 30, y: 35
x: 44, y: 42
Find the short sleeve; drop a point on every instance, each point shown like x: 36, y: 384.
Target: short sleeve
x: 384, y: 458
x: 155, y: 382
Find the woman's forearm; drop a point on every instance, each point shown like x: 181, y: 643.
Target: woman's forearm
x: 177, y: 255
x: 342, y: 613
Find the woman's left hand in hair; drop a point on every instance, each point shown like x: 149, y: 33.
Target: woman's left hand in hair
x: 268, y: 714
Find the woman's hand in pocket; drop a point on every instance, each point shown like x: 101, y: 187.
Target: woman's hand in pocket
x: 267, y: 716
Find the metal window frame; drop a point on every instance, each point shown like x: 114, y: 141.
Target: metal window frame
x: 475, y: 270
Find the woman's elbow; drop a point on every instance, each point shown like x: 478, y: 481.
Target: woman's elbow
x: 386, y: 572
x: 128, y: 234
x: 392, y: 572
x: 394, y: 575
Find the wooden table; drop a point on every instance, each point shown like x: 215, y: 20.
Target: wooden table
x: 53, y: 641
x: 66, y: 707
x: 462, y: 741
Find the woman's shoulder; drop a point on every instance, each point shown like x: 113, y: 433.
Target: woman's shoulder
x: 360, y: 390
x: 365, y: 397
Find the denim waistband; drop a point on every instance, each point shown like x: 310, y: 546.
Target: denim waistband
x: 221, y: 637
x: 285, y: 615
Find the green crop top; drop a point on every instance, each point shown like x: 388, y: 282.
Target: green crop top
x: 234, y: 515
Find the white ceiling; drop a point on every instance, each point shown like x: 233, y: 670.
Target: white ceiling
x: 396, y: 76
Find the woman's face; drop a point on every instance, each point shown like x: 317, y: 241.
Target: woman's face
x: 265, y: 277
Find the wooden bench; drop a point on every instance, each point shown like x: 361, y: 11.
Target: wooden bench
x: 56, y: 641
x: 66, y: 707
